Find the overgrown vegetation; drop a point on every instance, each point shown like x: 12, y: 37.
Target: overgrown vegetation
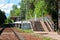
x: 8, y: 20
x: 2, y: 17
x: 31, y: 8
x: 25, y: 31
x: 44, y: 38
x: 15, y: 11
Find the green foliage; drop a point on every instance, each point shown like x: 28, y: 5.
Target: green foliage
x: 15, y: 11
x: 34, y: 7
x: 25, y: 31
x: 8, y: 20
x: 46, y: 38
x: 14, y: 7
x: 2, y: 17
x: 41, y: 8
x: 28, y: 8
x: 52, y: 8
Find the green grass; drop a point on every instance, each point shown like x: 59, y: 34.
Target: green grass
x: 36, y: 35
x: 44, y: 38
x: 47, y: 38
x: 26, y: 31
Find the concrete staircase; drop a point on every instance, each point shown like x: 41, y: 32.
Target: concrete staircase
x: 43, y: 26
x: 48, y: 26
x: 37, y: 26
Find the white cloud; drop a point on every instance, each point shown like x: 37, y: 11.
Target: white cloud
x: 18, y: 6
x: 6, y: 7
x: 6, y: 11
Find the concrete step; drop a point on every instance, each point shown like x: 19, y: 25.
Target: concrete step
x: 42, y: 33
x: 45, y: 33
x: 44, y: 26
x: 49, y: 26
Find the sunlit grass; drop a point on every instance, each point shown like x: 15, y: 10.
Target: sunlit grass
x: 44, y: 38
x: 36, y: 35
x: 26, y: 30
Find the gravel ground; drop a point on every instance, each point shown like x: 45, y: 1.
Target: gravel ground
x: 27, y: 36
x: 8, y: 34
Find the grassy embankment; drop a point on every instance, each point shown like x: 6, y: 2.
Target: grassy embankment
x: 37, y: 35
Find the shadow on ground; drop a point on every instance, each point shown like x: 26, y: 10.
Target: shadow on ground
x: 3, y: 26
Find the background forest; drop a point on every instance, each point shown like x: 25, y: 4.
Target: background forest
x: 31, y: 8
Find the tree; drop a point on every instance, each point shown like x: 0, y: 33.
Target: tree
x: 27, y: 8
x: 38, y: 7
x: 15, y: 11
x: 8, y: 20
x: 2, y: 17
x: 31, y: 7
x: 14, y: 7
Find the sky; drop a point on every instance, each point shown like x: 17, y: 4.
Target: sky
x: 6, y: 5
